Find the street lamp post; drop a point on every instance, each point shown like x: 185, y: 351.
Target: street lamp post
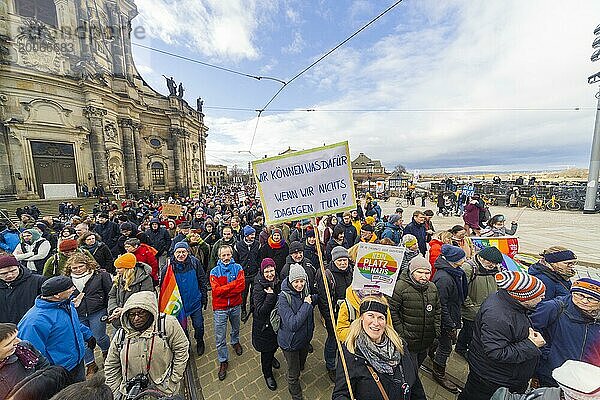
x: 594, y: 170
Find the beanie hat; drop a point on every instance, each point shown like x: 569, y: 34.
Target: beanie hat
x: 181, y: 245
x: 409, y: 240
x: 248, y: 230
x: 185, y: 225
x: 8, y: 260
x: 103, y: 214
x: 578, y: 379
x: 452, y: 253
x: 418, y: 262
x: 277, y: 230
x: 339, y: 252
x: 296, y: 246
x: 394, y: 218
x: 520, y: 285
x: 297, y: 272
x: 55, y: 285
x: 310, y: 233
x: 127, y: 226
x: 370, y: 220
x: 67, y: 245
x: 126, y: 260
x: 491, y: 254
x: 35, y: 234
x: 266, y: 262
x: 587, y: 286
x: 559, y: 256
x: 337, y: 230
x: 367, y: 228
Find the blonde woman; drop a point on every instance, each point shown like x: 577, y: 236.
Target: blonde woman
x: 379, y: 366
x: 132, y: 277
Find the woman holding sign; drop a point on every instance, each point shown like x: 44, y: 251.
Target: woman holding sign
x: 378, y: 363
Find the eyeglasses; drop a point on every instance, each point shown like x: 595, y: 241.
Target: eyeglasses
x: 137, y: 314
x: 587, y: 299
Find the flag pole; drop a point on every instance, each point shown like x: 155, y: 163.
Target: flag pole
x: 330, y: 305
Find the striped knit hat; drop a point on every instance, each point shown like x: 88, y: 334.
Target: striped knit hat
x: 519, y: 285
x: 587, y: 286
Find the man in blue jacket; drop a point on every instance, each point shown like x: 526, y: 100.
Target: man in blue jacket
x: 418, y: 230
x: 10, y: 238
x: 53, y: 327
x: 189, y: 274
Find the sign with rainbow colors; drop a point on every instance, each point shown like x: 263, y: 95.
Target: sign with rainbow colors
x: 508, y: 246
x: 169, y: 299
x: 377, y: 267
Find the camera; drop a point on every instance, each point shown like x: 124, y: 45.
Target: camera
x: 136, y: 385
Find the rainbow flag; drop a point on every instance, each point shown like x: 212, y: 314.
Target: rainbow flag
x: 169, y: 298
x: 508, y: 246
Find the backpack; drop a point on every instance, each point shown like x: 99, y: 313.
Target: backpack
x: 351, y: 310
x: 549, y: 393
x: 161, y: 331
x: 275, y: 318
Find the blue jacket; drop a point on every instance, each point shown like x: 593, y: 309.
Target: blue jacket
x: 191, y: 281
x: 54, y: 329
x: 418, y: 230
x: 570, y: 335
x: 556, y: 285
x: 9, y: 239
x: 297, y: 322
x: 392, y: 232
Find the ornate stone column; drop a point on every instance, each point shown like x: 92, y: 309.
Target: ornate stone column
x: 131, y: 175
x: 178, y: 161
x: 142, y: 168
x: 97, y: 144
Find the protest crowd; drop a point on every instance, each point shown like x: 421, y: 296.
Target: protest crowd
x: 88, y: 304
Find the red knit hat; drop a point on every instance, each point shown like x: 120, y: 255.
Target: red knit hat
x: 520, y: 285
x: 67, y: 245
x: 8, y: 260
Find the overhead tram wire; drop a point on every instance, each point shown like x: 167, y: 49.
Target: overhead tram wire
x: 401, y: 110
x: 316, y: 62
x: 257, y: 77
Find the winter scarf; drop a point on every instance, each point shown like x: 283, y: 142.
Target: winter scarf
x: 460, y: 278
x: 275, y: 245
x: 80, y: 280
x: 27, y: 357
x: 383, y: 357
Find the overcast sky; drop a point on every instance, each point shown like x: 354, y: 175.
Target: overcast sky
x: 432, y: 84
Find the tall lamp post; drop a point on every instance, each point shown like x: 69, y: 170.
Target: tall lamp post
x: 594, y: 170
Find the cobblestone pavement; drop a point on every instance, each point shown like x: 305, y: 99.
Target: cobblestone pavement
x: 245, y: 381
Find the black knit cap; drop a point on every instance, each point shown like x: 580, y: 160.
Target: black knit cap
x: 56, y: 285
x: 372, y: 305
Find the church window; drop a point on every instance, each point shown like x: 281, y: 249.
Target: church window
x: 43, y: 10
x: 158, y: 174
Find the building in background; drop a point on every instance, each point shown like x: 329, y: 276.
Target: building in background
x: 216, y: 174
x: 74, y: 109
x: 367, y: 172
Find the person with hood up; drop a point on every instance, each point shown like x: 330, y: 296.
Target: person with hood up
x: 571, y: 326
x: 297, y: 257
x: 191, y: 280
x: 90, y: 241
x: 210, y: 234
x: 245, y: 252
x: 411, y: 250
x: 150, y: 344
x: 379, y: 366
x: 33, y: 251
x: 19, y: 288
x: 264, y: 339
x: 55, y: 265
x: 132, y: 277
x: 416, y: 308
x: 53, y: 327
x: 295, y: 305
x: 555, y: 269
x: 160, y: 239
x: 18, y: 359
x: 393, y: 229
x: 339, y: 278
x: 276, y: 249
x: 481, y: 273
x: 452, y: 286
x: 10, y: 238
x: 143, y: 253
x: 505, y: 348
x: 226, y: 239
x: 228, y: 282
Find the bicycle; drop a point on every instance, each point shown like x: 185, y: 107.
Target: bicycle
x: 536, y: 203
x: 401, y: 202
x: 552, y: 204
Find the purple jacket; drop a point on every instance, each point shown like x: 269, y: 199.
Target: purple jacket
x: 471, y: 216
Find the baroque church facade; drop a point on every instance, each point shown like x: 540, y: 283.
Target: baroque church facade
x: 75, y: 110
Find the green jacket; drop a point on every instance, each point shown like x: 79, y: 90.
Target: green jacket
x: 55, y: 265
x: 482, y: 283
x: 416, y: 312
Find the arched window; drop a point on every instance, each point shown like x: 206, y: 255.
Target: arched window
x: 43, y: 10
x: 158, y: 174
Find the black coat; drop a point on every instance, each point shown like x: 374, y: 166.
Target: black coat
x: 247, y: 256
x: 96, y: 292
x: 337, y: 289
x: 364, y: 386
x: 120, y: 246
x: 109, y: 232
x: 264, y: 339
x: 18, y: 296
x: 350, y: 234
x: 449, y: 295
x: 278, y: 255
x: 500, y: 351
x: 159, y: 239
x: 103, y: 256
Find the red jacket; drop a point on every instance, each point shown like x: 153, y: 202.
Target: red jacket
x: 435, y: 249
x: 147, y: 254
x: 225, y: 294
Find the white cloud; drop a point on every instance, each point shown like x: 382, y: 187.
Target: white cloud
x: 296, y: 46
x: 459, y: 54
